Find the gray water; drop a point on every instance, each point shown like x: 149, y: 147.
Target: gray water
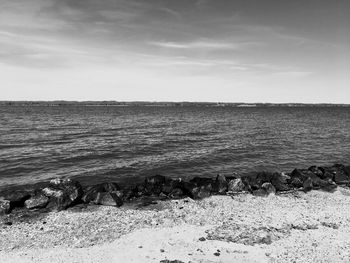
x: 96, y: 144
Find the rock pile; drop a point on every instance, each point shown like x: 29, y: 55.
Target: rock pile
x: 60, y: 194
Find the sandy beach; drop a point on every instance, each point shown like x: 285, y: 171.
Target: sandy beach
x: 293, y: 227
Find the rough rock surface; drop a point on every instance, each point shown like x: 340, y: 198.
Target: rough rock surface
x: 269, y: 188
x: 236, y: 185
x: 36, y: 201
x: 63, y: 193
x: 4, y: 206
x: 220, y: 184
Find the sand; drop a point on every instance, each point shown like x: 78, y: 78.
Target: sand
x: 296, y: 227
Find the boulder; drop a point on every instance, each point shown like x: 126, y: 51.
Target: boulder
x: 5, y: 207
x: 108, y: 199
x: 109, y: 194
x: 63, y: 193
x: 220, y: 184
x: 317, y: 171
x: 198, y: 187
x: 339, y: 172
x: 308, y: 185
x: 305, y: 174
x: 260, y: 192
x: 296, y: 182
x: 201, y: 192
x: 278, y: 180
x: 236, y: 185
x: 17, y: 198
x: 36, y: 201
x: 269, y: 188
x: 176, y: 193
x: 154, y: 184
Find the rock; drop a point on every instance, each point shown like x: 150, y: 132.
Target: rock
x: 220, y: 184
x: 280, y: 181
x: 198, y: 187
x: 5, y: 207
x: 200, y: 192
x: 202, y: 181
x: 108, y: 199
x: 305, y: 174
x: 269, y: 188
x: 63, y: 193
x: 176, y: 193
x: 154, y: 184
x: 308, y: 185
x: 296, y: 182
x: 236, y: 185
x: 339, y: 172
x: 108, y: 194
x: 17, y: 198
x: 111, y: 187
x: 37, y: 201
x: 317, y: 170
x: 260, y: 192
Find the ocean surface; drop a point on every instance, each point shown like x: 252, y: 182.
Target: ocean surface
x: 125, y: 144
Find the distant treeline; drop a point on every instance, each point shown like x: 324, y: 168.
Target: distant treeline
x: 165, y: 104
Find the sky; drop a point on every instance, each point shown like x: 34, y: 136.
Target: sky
x: 175, y: 50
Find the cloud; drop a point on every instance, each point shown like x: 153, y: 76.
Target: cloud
x: 199, y: 45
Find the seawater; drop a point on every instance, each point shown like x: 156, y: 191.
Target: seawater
x: 97, y: 144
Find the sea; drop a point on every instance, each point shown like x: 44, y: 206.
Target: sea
x: 125, y: 144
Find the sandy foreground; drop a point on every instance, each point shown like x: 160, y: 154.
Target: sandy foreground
x: 294, y: 227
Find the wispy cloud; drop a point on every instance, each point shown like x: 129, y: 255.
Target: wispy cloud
x: 199, y: 45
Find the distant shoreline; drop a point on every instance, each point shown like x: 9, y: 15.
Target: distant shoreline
x: 165, y: 104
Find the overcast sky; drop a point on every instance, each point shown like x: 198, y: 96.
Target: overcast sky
x: 175, y: 50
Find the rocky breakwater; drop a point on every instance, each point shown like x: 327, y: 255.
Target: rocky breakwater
x: 60, y: 194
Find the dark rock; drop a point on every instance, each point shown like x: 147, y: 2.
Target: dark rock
x: 63, y: 193
x: 198, y: 187
x: 108, y: 199
x: 339, y: 172
x: 220, y: 184
x: 329, y: 186
x: 202, y: 181
x: 269, y: 188
x: 5, y: 207
x: 110, y: 187
x: 296, y: 182
x: 109, y: 194
x: 202, y: 239
x: 305, y: 174
x: 278, y: 180
x: 37, y: 201
x: 217, y: 254
x: 91, y: 192
x: 200, y: 192
x: 308, y: 185
x: 176, y: 193
x: 317, y: 171
x: 170, y: 185
x: 236, y: 185
x: 154, y: 184
x: 17, y: 198
x: 260, y: 192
